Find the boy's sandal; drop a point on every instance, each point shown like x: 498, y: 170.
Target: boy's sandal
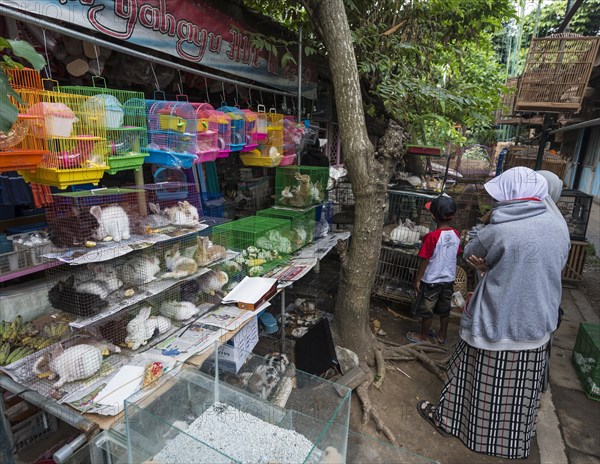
x: 441, y: 341
x: 413, y: 337
x: 425, y: 409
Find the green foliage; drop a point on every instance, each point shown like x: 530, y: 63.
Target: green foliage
x: 586, y: 20
x: 20, y: 49
x: 429, y: 65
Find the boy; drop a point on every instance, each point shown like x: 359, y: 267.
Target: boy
x: 435, y: 278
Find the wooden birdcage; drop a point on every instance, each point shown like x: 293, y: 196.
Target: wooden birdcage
x: 20, y: 148
x: 505, y: 113
x: 76, y: 139
x: 556, y: 73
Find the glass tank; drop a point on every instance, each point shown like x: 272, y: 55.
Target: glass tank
x: 267, y: 412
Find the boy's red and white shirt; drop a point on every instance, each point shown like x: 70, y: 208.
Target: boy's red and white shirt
x: 440, y: 247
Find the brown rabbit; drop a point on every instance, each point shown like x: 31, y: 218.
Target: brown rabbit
x: 207, y: 253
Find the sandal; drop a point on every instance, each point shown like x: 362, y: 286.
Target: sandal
x: 425, y: 409
x: 440, y: 341
x: 413, y: 337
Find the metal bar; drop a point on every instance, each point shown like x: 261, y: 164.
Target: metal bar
x: 119, y: 48
x: 66, y: 451
x: 65, y: 414
x: 300, y: 73
x: 581, y: 125
x: 6, y: 437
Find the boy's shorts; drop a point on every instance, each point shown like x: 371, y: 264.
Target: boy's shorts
x: 433, y: 299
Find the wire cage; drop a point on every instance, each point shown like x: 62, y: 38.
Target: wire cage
x: 505, y: 113
x: 251, y: 130
x: 302, y: 224
x: 208, y: 132
x: 262, y: 242
x: 274, y: 140
x: 172, y: 133
x: 576, y: 207
x: 474, y: 162
x: 472, y: 202
x: 251, y: 196
x: 396, y: 273
x: 586, y: 358
x: 556, y: 73
x: 406, y: 220
x: 20, y: 148
x: 262, y: 123
x: 237, y: 120
x: 125, y: 121
x: 300, y: 186
x: 76, y: 139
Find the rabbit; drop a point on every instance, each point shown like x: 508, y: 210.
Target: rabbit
x: 113, y: 221
x: 179, y: 266
x: 140, y: 270
x: 183, y: 214
x: 213, y: 281
x: 105, y: 282
x: 153, y: 221
x: 63, y: 296
x: 261, y: 381
x: 143, y: 327
x: 207, y: 253
x: 178, y: 310
x: 73, y: 230
x: 75, y: 363
x: 404, y: 235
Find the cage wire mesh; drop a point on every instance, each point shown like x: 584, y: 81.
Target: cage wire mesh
x: 20, y: 147
x: 76, y: 137
x: 262, y: 243
x: 251, y: 130
x: 125, y: 121
x: 274, y: 138
x: 522, y: 155
x: 576, y: 207
x: 341, y: 205
x: 396, y: 273
x: 556, y: 73
x: 302, y: 224
x: 300, y: 186
x: 473, y: 162
x: 208, y: 132
x: 237, y: 121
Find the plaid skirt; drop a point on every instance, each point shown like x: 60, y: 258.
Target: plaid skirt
x: 490, y: 399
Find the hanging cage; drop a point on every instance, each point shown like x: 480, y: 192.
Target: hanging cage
x: 20, y: 148
x: 125, y: 121
x: 172, y: 133
x: 238, y: 126
x: 251, y: 130
x: 208, y: 132
x: 556, y: 73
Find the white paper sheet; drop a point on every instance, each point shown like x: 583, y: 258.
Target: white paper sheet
x: 250, y: 290
x: 124, y: 384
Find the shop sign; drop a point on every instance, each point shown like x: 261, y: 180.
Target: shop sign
x: 192, y: 30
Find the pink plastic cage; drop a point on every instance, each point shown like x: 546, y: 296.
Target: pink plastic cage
x: 208, y: 132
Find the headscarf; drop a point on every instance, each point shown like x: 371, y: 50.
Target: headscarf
x: 518, y: 183
x: 555, y: 186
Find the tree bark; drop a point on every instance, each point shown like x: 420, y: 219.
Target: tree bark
x: 369, y: 174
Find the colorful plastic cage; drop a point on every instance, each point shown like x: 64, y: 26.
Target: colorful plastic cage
x: 262, y: 242
x: 261, y: 123
x: 274, y: 134
x: 586, y: 358
x: 302, y: 224
x: 208, y: 132
x: 21, y: 148
x: 300, y: 186
x: 238, y: 127
x: 172, y: 133
x: 251, y: 130
x: 125, y: 121
x: 76, y: 137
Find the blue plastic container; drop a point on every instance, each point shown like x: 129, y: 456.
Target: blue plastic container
x: 268, y: 323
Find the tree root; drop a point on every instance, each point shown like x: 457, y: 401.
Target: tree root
x: 380, y: 368
x: 369, y: 411
x: 418, y: 352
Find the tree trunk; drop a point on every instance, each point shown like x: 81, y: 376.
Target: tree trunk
x: 369, y: 176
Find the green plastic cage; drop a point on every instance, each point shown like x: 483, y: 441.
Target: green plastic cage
x: 586, y: 358
x: 262, y: 242
x: 300, y: 186
x: 302, y: 224
x: 124, y: 119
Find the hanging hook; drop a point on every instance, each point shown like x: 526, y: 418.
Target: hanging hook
x: 250, y: 96
x: 97, y: 60
x: 206, y: 87
x: 223, y: 89
x: 47, y: 67
x: 155, y: 78
x: 180, y: 85
x: 236, y: 95
x: 261, y: 97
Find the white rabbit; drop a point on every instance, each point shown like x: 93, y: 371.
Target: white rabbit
x: 178, y: 310
x: 140, y: 269
x: 404, y: 236
x: 213, y: 281
x: 75, y: 363
x: 113, y: 221
x: 105, y: 282
x: 179, y: 266
x: 183, y: 214
x: 143, y: 327
x: 154, y: 220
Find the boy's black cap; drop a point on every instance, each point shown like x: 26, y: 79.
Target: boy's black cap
x: 442, y: 207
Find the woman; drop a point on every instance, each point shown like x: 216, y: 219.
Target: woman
x: 495, y: 375
x: 555, y: 186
